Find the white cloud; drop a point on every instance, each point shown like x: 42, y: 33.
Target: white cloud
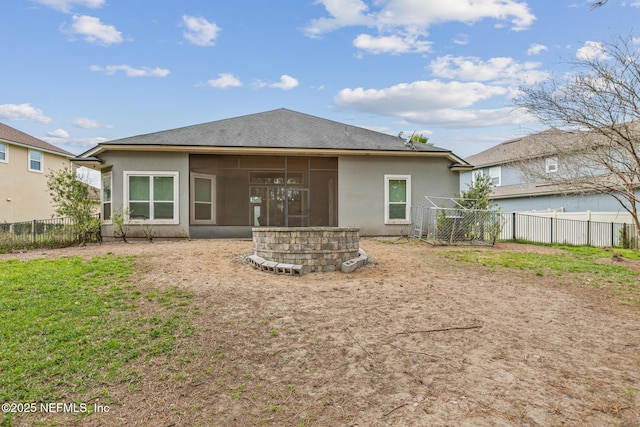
x: 224, y: 81
x: 71, y: 143
x: 536, y: 49
x: 461, y: 39
x: 501, y: 70
x: 58, y: 133
x: 393, y: 44
x: 85, y: 123
x: 432, y: 102
x: 343, y: 13
x: 131, y: 71
x: 23, y: 112
x: 592, y: 51
x: 94, y: 31
x: 67, y: 5
x: 415, y: 16
x: 200, y: 31
x: 468, y: 118
x: 428, y: 95
x: 286, y: 83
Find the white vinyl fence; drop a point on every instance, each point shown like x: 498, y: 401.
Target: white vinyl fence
x: 556, y: 228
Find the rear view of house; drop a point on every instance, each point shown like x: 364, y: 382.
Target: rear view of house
x: 24, y: 163
x: 278, y: 168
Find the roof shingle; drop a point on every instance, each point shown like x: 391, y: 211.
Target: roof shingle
x: 9, y: 134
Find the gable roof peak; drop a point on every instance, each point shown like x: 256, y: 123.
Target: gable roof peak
x: 12, y: 135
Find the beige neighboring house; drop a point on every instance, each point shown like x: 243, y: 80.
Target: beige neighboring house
x: 24, y: 163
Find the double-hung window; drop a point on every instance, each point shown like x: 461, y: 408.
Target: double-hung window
x: 4, y: 156
x: 397, y: 199
x: 152, y: 196
x: 494, y: 173
x: 551, y: 164
x: 35, y: 161
x: 106, y: 197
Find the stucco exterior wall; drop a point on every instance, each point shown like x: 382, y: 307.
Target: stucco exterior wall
x: 23, y: 193
x: 134, y: 161
x: 361, y: 189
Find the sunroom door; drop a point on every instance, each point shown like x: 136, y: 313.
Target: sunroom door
x: 203, y: 197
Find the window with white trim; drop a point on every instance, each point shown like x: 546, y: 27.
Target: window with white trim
x: 494, y: 174
x: 397, y: 199
x: 4, y: 154
x: 106, y: 197
x: 551, y: 164
x: 152, y: 197
x: 35, y: 161
x: 203, y: 198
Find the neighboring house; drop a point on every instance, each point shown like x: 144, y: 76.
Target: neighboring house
x: 24, y: 163
x: 515, y: 192
x: 277, y: 168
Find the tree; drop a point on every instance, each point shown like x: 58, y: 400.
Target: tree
x: 70, y: 198
x: 597, y: 111
x: 478, y: 193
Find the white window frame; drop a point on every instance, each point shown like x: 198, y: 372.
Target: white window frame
x: 407, y: 218
x: 551, y: 164
x: 41, y: 160
x: 192, y: 193
x: 105, y: 176
x: 4, y: 149
x: 494, y: 173
x: 151, y: 175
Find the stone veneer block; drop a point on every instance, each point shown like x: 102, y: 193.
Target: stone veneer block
x: 314, y: 248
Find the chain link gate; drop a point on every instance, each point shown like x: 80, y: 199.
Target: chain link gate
x: 445, y: 221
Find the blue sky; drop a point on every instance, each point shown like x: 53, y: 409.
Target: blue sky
x: 79, y: 72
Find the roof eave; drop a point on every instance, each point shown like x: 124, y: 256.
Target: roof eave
x: 273, y: 151
x: 65, y: 154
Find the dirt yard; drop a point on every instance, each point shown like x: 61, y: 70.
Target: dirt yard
x: 413, y: 339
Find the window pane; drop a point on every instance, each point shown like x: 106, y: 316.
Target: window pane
x: 139, y: 188
x: 397, y: 190
x: 163, y: 188
x: 3, y: 152
x: 34, y: 165
x: 202, y: 212
x: 106, y: 188
x: 106, y: 212
x: 139, y: 210
x: 202, y: 190
x: 398, y: 211
x: 163, y: 210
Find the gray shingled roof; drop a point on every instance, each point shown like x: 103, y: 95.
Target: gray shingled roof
x: 280, y: 128
x: 9, y: 134
x: 531, y: 146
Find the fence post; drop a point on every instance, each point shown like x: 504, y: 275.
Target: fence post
x: 551, y: 223
x: 612, y: 233
x: 588, y: 232
x: 513, y: 225
x: 33, y: 231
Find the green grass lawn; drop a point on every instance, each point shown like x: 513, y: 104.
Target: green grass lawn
x: 70, y: 326
x: 580, y: 263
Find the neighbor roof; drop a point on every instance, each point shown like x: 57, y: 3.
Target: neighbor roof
x: 276, y: 129
x: 531, y: 146
x: 11, y: 135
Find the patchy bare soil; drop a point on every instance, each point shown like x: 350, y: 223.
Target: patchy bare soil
x: 413, y: 339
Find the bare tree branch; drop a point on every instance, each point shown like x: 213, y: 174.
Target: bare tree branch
x: 595, y: 112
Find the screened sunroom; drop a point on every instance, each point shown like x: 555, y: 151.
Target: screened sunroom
x: 256, y: 191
